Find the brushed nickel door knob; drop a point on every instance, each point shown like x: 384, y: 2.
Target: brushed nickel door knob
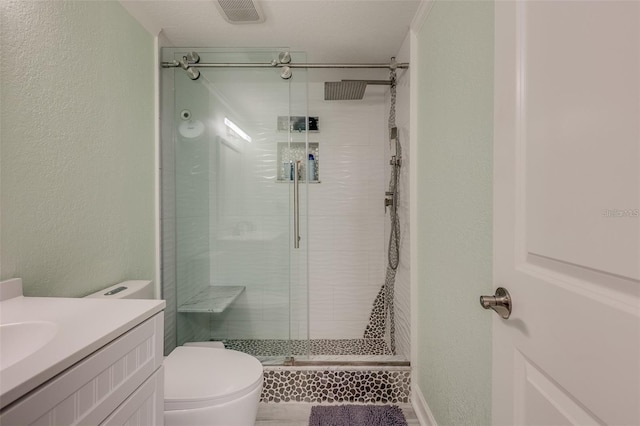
x: 501, y: 302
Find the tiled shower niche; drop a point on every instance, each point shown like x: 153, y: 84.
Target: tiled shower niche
x: 289, y: 153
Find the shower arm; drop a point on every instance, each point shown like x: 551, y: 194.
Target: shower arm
x: 372, y: 82
x: 274, y: 64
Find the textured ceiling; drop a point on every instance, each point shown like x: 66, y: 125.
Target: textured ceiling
x: 329, y: 30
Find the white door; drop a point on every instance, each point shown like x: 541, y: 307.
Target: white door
x: 567, y: 226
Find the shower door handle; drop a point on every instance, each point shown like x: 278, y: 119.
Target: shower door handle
x: 296, y: 206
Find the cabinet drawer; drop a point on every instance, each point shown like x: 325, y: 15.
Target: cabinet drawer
x: 93, y: 388
x: 144, y: 408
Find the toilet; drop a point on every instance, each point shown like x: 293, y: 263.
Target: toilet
x: 204, y: 384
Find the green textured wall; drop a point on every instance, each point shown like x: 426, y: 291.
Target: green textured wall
x: 454, y: 207
x: 76, y: 146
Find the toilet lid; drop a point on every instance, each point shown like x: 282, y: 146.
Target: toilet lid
x: 198, y: 377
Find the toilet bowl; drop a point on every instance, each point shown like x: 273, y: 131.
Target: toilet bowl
x: 208, y: 386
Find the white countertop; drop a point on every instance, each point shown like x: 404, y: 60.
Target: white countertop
x: 84, y: 325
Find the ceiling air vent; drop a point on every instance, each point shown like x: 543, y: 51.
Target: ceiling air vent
x: 240, y: 11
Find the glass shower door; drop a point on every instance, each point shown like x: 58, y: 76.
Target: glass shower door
x: 239, y: 278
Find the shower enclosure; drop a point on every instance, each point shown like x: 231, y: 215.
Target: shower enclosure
x: 272, y: 242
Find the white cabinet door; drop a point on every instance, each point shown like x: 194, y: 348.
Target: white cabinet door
x: 567, y: 226
x: 144, y: 407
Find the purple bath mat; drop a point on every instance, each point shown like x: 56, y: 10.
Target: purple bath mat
x: 356, y: 415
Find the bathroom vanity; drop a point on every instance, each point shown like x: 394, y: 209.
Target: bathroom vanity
x: 79, y: 361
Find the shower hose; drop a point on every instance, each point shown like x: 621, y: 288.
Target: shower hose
x: 393, y: 254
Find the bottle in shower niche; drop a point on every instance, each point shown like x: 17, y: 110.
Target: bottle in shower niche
x: 287, y: 170
x: 311, y: 168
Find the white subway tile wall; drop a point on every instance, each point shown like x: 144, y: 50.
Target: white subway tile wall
x: 346, y: 213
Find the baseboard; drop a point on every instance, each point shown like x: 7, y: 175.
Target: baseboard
x: 420, y: 406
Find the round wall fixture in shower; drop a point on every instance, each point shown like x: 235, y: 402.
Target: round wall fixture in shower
x: 284, y: 57
x: 193, y: 57
x: 190, y: 128
x: 193, y: 73
x: 286, y: 73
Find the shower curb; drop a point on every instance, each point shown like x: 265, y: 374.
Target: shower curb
x: 337, y: 384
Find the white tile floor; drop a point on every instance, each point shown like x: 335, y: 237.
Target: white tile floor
x: 297, y: 414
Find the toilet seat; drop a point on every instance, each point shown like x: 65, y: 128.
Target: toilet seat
x: 197, y: 377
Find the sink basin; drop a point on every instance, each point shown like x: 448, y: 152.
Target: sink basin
x: 21, y: 339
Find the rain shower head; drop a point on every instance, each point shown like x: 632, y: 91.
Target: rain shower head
x: 344, y: 90
x: 349, y: 90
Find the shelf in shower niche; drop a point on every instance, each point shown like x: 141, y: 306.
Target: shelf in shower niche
x: 288, y: 152
x: 214, y: 299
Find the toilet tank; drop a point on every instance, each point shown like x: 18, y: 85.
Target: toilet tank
x: 134, y: 289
